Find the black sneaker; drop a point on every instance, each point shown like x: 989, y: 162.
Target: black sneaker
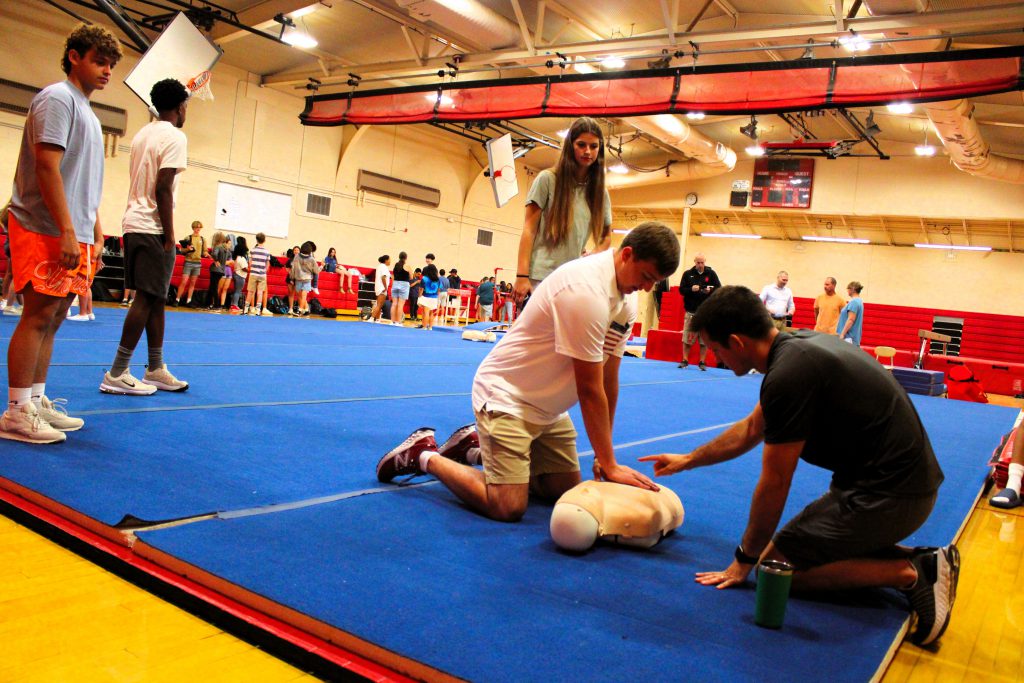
x: 931, y: 598
x: 702, y: 367
x: 405, y: 458
x: 684, y: 364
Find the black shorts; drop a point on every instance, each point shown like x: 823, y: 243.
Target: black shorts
x: 147, y: 267
x: 843, y: 525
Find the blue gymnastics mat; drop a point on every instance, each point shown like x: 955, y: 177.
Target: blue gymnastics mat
x: 279, y: 435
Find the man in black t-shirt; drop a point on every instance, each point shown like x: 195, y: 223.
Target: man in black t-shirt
x: 832, y: 405
x: 696, y: 286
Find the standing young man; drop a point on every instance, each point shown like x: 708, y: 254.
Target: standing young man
x: 566, y: 348
x: 159, y: 155
x: 55, y: 233
x: 194, y: 248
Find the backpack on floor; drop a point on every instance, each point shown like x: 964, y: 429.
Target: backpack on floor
x: 172, y: 295
x: 1000, y: 460
x: 277, y: 305
x: 963, y: 385
x: 329, y: 313
x: 315, y: 307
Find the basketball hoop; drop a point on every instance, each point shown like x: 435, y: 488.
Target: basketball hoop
x: 199, y: 86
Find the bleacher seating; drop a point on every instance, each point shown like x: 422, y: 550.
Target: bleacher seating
x: 992, y: 344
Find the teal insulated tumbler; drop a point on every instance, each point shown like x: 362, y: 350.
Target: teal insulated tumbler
x: 773, y: 581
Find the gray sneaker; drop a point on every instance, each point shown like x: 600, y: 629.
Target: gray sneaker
x: 162, y: 379
x: 24, y: 424
x: 56, y: 415
x: 125, y: 384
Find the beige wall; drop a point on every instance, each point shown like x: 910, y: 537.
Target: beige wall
x: 251, y: 132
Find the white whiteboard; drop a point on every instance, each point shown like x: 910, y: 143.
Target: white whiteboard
x: 503, y: 169
x: 249, y: 210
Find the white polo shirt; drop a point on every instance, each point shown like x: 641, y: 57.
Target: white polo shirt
x: 576, y: 312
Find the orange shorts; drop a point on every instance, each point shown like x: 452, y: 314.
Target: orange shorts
x: 36, y: 259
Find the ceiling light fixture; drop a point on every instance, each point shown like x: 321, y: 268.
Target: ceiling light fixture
x: 951, y: 247
x: 900, y: 108
x: 755, y: 150
x: 619, y: 168
x: 620, y: 231
x: 854, y: 42
x: 730, y: 235
x: 613, y: 62
x: 844, y: 240
x: 562, y: 133
x: 750, y: 130
x: 291, y: 35
x: 925, y: 150
x: 695, y: 115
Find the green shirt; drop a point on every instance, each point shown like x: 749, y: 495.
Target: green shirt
x: 546, y: 257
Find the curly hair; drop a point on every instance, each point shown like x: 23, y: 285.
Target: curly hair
x: 167, y: 94
x: 85, y: 37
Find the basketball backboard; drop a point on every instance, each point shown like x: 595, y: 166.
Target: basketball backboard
x: 503, y: 169
x: 181, y: 52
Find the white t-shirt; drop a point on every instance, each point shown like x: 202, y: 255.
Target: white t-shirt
x: 576, y: 312
x: 779, y: 302
x: 157, y: 146
x: 382, y: 274
x: 241, y: 266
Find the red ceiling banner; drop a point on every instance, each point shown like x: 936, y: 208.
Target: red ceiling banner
x: 797, y: 85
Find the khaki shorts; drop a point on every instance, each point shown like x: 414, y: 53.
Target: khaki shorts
x: 690, y: 337
x: 514, y: 450
x: 256, y: 283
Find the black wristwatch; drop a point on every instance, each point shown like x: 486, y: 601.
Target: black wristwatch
x: 743, y: 558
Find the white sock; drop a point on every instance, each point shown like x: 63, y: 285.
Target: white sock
x: 425, y: 457
x: 37, y: 393
x: 1016, y: 473
x: 19, y: 396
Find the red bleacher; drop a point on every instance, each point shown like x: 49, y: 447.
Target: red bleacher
x: 992, y: 344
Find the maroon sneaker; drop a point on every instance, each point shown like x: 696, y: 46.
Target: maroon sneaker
x: 463, y: 446
x: 405, y: 458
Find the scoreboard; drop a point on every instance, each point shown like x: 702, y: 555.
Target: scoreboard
x: 782, y: 183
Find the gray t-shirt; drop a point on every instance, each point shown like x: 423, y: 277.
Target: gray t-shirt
x: 60, y: 114
x: 546, y: 257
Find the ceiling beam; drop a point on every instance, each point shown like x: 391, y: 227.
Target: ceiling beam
x: 521, y: 20
x: 574, y: 18
x: 1000, y: 15
x: 699, y: 16
x: 885, y: 227
x: 671, y: 17
x: 412, y: 46
x: 538, y: 33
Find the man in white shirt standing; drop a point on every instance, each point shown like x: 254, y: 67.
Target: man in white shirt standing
x: 159, y: 155
x: 778, y: 299
x: 566, y: 348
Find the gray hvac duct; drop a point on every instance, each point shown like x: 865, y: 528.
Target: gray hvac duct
x: 953, y: 121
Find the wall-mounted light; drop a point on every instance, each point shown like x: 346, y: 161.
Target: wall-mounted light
x: 844, y: 240
x: 695, y: 115
x: 925, y: 150
x: 951, y: 247
x: 854, y: 42
x: 750, y: 130
x: 619, y: 168
x: 755, y: 150
x: 731, y: 235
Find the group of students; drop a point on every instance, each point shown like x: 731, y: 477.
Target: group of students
x: 426, y: 289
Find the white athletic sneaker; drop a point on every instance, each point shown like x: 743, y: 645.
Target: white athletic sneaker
x: 81, y: 317
x: 56, y: 415
x: 267, y: 313
x: 13, y: 309
x: 24, y: 424
x: 162, y: 379
x: 125, y: 384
